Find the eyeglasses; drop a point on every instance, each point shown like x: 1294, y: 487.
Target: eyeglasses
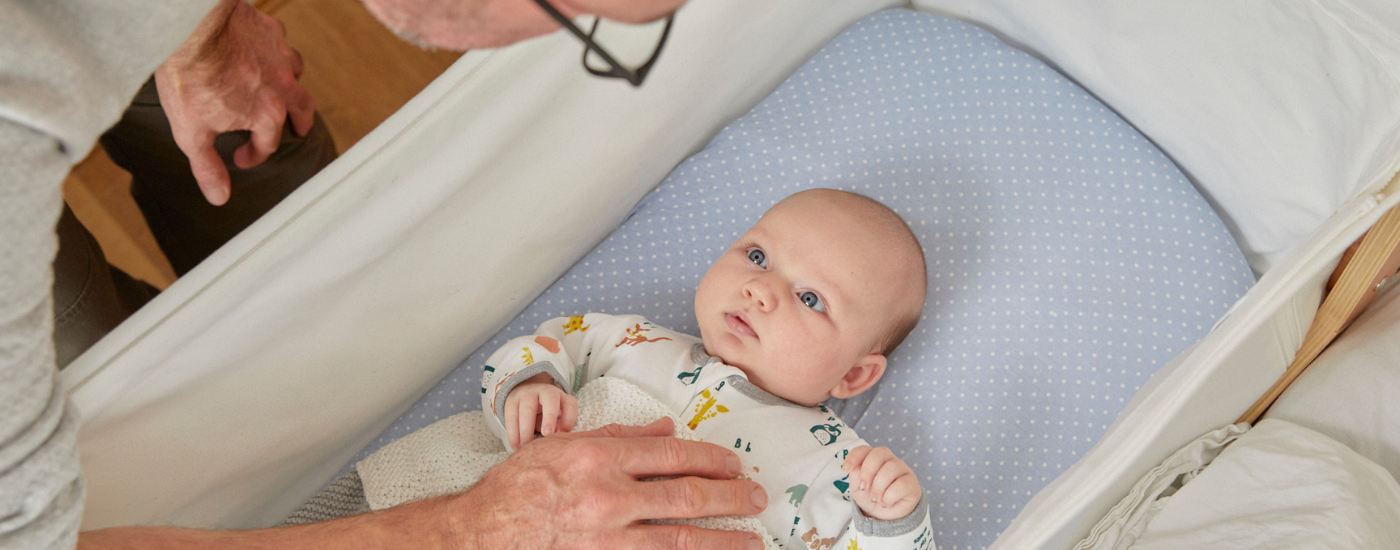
x: 613, y: 68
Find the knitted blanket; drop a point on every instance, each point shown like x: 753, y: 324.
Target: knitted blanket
x: 450, y: 455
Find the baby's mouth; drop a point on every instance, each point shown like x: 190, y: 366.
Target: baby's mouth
x: 739, y: 325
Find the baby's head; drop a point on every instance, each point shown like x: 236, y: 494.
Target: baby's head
x: 813, y: 298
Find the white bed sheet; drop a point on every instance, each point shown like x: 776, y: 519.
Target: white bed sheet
x: 240, y: 390
x: 1280, y: 485
x: 1351, y: 393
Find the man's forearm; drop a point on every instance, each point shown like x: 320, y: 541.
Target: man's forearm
x: 427, y: 524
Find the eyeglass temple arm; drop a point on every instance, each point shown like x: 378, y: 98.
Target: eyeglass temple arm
x: 587, y: 40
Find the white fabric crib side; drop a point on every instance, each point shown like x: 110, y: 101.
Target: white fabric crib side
x: 240, y: 390
x: 1205, y: 388
x: 1286, y: 117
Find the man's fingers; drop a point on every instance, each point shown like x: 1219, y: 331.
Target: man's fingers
x: 693, y: 497
x: 267, y: 133
x: 298, y: 64
x: 689, y: 537
x: 668, y: 456
x: 662, y: 427
x: 301, y: 108
x: 208, y: 169
x: 281, y: 27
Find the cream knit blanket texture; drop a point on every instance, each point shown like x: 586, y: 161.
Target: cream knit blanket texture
x: 450, y: 455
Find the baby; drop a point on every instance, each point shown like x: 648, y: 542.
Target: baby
x: 804, y: 306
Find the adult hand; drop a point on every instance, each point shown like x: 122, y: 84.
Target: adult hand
x: 235, y: 73
x: 470, y: 24
x: 565, y: 491
x: 583, y: 490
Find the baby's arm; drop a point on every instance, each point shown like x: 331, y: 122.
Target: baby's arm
x: 882, y: 485
x: 827, y: 521
x: 528, y: 382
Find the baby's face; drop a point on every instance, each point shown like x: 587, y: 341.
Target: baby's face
x: 802, y: 297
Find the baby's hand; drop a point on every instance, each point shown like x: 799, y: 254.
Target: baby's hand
x: 885, y: 487
x: 538, y: 404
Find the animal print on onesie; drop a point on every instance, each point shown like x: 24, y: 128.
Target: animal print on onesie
x: 795, y: 452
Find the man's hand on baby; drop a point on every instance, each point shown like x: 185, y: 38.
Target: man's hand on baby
x: 883, y: 485
x: 538, y: 405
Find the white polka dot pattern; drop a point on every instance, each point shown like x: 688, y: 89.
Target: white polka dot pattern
x: 1068, y: 258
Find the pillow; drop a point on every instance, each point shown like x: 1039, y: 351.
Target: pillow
x: 1351, y: 392
x: 1281, y: 486
x: 1279, y: 111
x: 1068, y: 258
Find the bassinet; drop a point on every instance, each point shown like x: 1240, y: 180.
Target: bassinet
x: 251, y: 381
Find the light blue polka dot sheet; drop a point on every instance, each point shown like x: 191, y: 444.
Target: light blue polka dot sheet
x: 1068, y: 258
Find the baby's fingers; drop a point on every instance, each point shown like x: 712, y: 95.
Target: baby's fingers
x: 883, y: 480
x: 529, y: 410
x: 569, y: 416
x: 512, y: 431
x: 872, y: 464
x: 549, y: 412
x: 854, y: 458
x: 902, y: 495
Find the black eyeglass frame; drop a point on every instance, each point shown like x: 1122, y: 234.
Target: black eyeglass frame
x: 635, y: 77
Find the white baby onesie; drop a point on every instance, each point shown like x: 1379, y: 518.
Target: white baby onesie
x: 794, y: 452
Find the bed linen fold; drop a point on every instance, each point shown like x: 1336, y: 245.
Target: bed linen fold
x: 1277, y: 485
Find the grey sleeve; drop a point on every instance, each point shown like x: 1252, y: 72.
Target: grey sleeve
x: 67, y: 70
x: 41, y: 492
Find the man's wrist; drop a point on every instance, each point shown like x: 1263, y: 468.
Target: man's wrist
x: 202, y: 42
x: 457, y: 530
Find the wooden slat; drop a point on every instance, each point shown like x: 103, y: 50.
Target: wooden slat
x: 1352, y: 291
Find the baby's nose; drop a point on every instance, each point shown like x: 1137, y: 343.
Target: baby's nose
x: 761, y: 294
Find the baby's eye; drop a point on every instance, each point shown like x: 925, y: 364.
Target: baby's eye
x: 757, y: 256
x: 810, y: 299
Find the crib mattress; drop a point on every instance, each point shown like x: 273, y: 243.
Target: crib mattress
x: 1068, y: 258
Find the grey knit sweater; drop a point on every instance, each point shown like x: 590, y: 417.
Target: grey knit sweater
x: 67, y: 70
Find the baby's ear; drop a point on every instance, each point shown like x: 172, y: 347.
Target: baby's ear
x: 865, y: 373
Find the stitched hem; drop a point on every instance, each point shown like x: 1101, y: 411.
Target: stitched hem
x: 893, y: 528
x: 759, y: 394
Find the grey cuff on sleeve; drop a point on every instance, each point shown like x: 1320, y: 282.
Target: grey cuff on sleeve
x: 893, y: 528
x: 522, y: 375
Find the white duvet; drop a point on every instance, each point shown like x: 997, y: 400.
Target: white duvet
x: 1278, y: 485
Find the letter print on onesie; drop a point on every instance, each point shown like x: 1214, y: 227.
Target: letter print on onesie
x: 843, y: 485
